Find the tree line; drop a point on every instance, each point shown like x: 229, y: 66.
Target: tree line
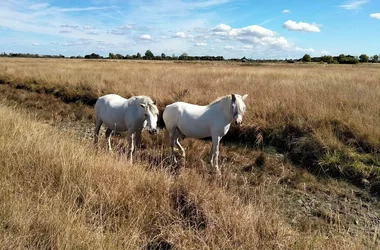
x: 341, y: 59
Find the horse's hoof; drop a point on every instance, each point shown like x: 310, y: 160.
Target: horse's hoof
x: 218, y: 172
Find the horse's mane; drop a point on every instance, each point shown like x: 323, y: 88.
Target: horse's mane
x: 219, y: 99
x: 142, y: 99
x: 226, y: 101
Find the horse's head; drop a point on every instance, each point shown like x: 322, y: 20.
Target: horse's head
x: 238, y: 107
x: 151, y: 116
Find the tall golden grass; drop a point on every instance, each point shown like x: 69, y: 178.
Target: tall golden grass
x: 313, y: 93
x: 325, y: 115
x: 58, y: 192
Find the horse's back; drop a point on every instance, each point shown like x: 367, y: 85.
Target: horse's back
x: 110, y: 109
x: 112, y: 100
x: 188, y: 118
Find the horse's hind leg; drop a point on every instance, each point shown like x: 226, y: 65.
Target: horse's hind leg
x: 177, y: 134
x: 98, y: 124
x: 172, y: 142
x: 108, y: 138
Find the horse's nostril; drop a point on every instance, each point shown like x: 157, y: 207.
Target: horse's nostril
x: 153, y: 131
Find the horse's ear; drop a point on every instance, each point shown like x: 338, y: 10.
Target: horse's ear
x: 154, y: 102
x: 244, y: 97
x: 143, y: 105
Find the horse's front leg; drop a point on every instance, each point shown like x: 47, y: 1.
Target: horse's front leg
x: 215, y: 153
x: 138, y: 138
x: 131, y: 145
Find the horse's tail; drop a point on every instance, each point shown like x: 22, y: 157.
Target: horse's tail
x: 165, y: 117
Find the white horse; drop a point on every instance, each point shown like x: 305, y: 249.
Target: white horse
x: 204, y: 121
x: 120, y: 114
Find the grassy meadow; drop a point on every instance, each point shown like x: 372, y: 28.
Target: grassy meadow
x: 326, y: 117
x: 304, y: 124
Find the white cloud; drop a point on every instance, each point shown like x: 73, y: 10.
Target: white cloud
x: 200, y: 44
x: 92, y: 33
x: 69, y: 26
x: 80, y: 9
x: 301, y: 26
x: 375, y: 15
x: 255, y: 40
x: 229, y: 47
x: 180, y: 35
x: 221, y: 28
x: 127, y: 26
x: 325, y: 52
x: 253, y: 30
x: 311, y: 50
x: 145, y: 37
x: 36, y: 44
x: 88, y: 27
x: 286, y: 11
x: 65, y: 31
x: 116, y: 32
x: 353, y: 4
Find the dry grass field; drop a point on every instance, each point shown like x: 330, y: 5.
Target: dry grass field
x: 305, y: 123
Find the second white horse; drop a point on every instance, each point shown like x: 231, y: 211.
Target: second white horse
x: 196, y: 121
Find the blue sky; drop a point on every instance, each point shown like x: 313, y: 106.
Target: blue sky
x: 255, y: 29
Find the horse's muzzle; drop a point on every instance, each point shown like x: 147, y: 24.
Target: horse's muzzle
x: 238, y: 123
x: 153, y: 131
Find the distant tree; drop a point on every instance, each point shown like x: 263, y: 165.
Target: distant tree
x: 363, y: 58
x: 183, y: 56
x: 93, y: 56
x: 138, y: 55
x: 328, y: 59
x: 119, y: 56
x: 347, y: 59
x: 341, y: 57
x: 306, y: 58
x: 163, y: 56
x: 111, y: 56
x: 375, y: 58
x: 149, y: 55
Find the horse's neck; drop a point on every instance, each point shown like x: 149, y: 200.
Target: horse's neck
x: 224, y: 110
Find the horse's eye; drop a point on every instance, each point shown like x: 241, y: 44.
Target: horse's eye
x: 146, y: 115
